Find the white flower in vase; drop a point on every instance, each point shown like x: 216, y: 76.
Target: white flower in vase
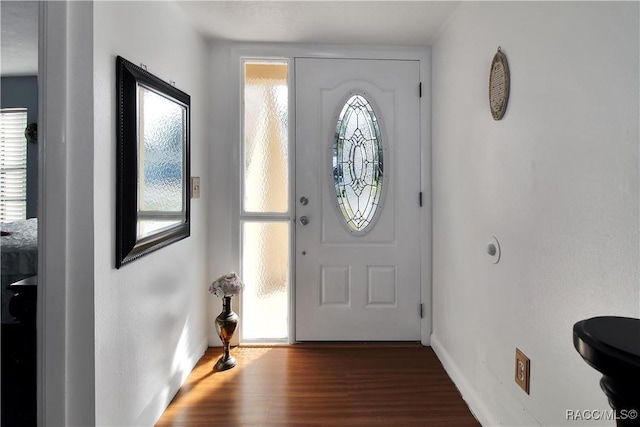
x: 226, y: 285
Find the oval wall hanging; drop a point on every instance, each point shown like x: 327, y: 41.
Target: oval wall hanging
x: 499, y: 81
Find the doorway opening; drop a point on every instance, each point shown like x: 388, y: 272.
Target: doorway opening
x: 265, y: 231
x: 19, y: 166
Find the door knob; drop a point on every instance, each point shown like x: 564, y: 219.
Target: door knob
x: 304, y: 220
x: 304, y: 201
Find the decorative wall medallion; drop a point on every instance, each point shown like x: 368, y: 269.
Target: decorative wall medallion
x: 499, y: 81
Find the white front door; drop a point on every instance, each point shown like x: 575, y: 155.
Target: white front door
x: 357, y: 261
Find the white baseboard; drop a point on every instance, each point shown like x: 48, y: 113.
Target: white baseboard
x: 476, y: 405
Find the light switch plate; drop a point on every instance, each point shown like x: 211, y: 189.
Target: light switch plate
x: 195, y: 187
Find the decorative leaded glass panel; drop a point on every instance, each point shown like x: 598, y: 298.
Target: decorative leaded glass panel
x: 358, y: 163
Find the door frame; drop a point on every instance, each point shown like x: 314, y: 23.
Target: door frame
x: 65, y: 301
x: 237, y: 52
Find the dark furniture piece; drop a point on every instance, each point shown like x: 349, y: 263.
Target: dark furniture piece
x: 19, y: 356
x: 611, y: 345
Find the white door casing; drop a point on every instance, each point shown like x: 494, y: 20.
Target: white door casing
x: 354, y: 287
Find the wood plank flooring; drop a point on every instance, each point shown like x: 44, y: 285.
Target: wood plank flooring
x: 320, y: 385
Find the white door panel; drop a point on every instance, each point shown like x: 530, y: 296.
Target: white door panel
x: 353, y: 286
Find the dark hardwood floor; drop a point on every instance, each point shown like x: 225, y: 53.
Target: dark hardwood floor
x: 320, y: 385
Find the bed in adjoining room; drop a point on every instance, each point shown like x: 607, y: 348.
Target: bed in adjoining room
x: 19, y: 248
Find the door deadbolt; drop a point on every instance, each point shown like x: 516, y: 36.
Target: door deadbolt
x: 304, y: 201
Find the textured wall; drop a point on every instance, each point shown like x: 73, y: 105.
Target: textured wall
x: 556, y: 181
x: 149, y: 315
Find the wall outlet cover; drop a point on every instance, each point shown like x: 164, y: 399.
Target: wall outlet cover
x: 523, y: 367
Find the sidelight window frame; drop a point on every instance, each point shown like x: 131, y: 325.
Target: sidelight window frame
x: 249, y: 216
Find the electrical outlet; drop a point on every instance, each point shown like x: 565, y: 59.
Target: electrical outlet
x: 523, y: 366
x: 195, y: 187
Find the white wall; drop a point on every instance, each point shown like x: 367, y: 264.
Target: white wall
x: 556, y: 181
x: 223, y: 173
x: 150, y: 325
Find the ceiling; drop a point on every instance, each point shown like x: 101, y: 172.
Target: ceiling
x: 19, y: 38
x: 389, y: 23
x: 407, y: 23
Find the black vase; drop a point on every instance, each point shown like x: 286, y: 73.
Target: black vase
x: 226, y: 324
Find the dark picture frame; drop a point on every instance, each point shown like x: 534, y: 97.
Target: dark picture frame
x: 153, y: 163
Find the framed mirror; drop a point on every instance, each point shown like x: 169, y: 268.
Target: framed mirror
x: 153, y: 163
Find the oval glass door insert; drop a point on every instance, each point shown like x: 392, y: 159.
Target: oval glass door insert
x: 358, y: 164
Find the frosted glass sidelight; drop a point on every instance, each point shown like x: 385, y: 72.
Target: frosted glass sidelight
x: 266, y: 148
x: 265, y: 272
x: 358, y: 164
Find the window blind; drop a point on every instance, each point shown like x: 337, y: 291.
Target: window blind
x: 13, y: 164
